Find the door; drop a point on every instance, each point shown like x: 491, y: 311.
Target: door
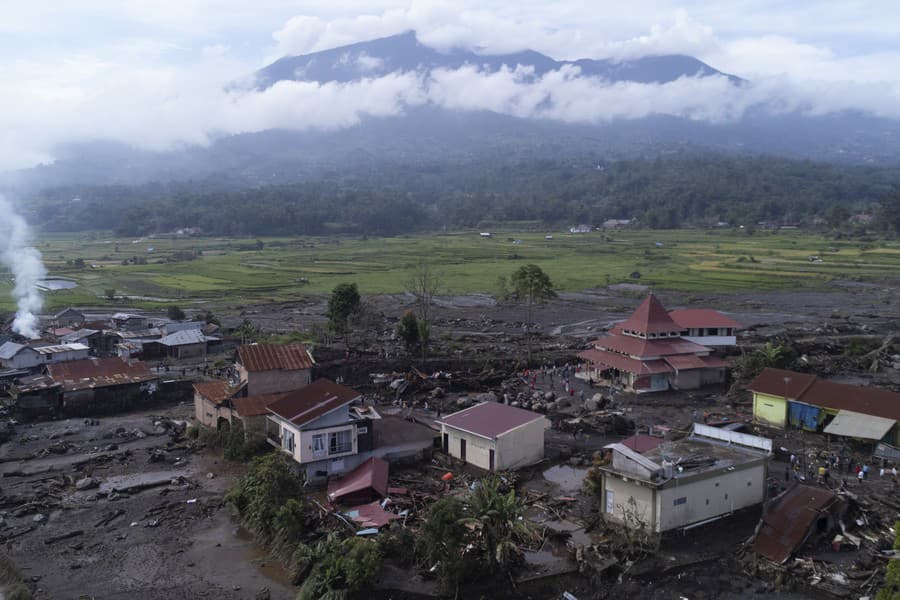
x: 610, y: 501
x: 462, y: 449
x: 446, y: 445
x: 491, y: 460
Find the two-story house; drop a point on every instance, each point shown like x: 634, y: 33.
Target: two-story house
x: 316, y: 427
x: 270, y: 368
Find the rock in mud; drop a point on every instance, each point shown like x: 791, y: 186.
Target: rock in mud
x: 86, y: 483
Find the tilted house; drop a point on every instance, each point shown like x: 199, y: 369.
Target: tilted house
x: 315, y: 427
x: 494, y: 436
x: 270, y: 368
x: 691, y: 481
x: 800, y: 400
x: 648, y: 352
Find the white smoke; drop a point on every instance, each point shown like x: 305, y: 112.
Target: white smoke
x: 24, y: 261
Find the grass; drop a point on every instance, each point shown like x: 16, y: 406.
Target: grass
x: 686, y: 260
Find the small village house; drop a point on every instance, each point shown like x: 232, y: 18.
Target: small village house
x: 92, y: 338
x: 103, y: 385
x: 211, y: 402
x: 180, y: 345
x: 800, y: 400
x: 649, y: 352
x: 130, y: 322
x: 706, y: 476
x: 269, y: 368
x: 20, y: 356
x: 68, y: 317
x: 494, y: 436
x: 801, y: 514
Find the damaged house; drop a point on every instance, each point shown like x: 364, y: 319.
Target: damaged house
x: 688, y: 482
x: 651, y: 351
x: 103, y: 385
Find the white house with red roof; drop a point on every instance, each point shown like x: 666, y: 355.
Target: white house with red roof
x: 706, y: 326
x: 652, y: 351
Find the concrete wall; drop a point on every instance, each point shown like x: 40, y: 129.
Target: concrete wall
x: 686, y: 380
x: 303, y: 440
x: 711, y: 497
x: 275, y: 381
x: 208, y: 413
x: 477, y: 448
x: 769, y: 410
x: 711, y: 340
x: 25, y: 359
x: 522, y: 446
x: 621, y: 496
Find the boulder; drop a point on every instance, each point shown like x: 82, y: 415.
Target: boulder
x: 549, y: 396
x: 486, y: 397
x: 86, y: 483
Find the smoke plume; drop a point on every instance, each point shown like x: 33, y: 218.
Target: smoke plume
x: 24, y: 261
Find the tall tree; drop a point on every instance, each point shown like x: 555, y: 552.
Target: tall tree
x: 344, y: 302
x: 175, y: 313
x: 408, y: 330
x: 424, y: 283
x: 529, y: 284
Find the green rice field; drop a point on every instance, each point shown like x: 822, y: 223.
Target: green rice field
x: 235, y: 271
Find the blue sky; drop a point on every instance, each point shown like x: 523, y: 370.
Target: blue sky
x: 151, y: 72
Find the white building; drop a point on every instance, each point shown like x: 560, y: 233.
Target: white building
x: 701, y: 478
x: 19, y: 356
x: 494, y: 436
x: 706, y: 327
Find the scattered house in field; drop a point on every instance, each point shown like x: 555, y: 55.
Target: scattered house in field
x: 187, y: 343
x: 494, y: 436
x: 315, y: 427
x: 687, y: 482
x: 647, y: 353
x: 68, y: 317
x: 97, y: 385
x: 485, y: 234
x: 270, y: 368
x: 20, y: 356
x: 801, y: 400
x: 367, y: 482
x: 580, y: 229
x: 36, y: 395
x: 706, y: 326
x: 794, y: 518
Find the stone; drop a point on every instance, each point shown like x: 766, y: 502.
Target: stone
x: 549, y: 396
x: 86, y: 483
x: 38, y: 518
x: 591, y: 405
x: 210, y: 475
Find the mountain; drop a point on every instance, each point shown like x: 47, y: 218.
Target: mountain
x: 404, y: 52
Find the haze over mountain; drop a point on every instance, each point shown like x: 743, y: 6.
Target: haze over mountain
x: 396, y: 100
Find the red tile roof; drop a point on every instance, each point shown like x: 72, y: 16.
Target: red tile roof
x: 254, y: 406
x: 490, y: 419
x: 650, y: 317
x: 633, y: 346
x: 642, y: 443
x: 772, y: 382
x: 216, y: 392
x: 311, y: 402
x: 688, y: 318
x: 689, y: 361
x: 269, y: 357
x: 625, y: 363
x: 865, y: 400
x: 370, y: 476
x: 788, y: 520
x: 99, y: 372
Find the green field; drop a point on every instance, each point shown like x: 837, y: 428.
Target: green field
x: 233, y: 270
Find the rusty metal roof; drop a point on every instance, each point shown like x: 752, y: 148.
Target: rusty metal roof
x: 371, y: 515
x: 254, y: 406
x: 490, y: 419
x: 99, y: 372
x: 772, y: 382
x: 625, y: 363
x: 216, y: 391
x: 269, y: 357
x: 311, y: 402
x: 625, y: 344
x: 790, y: 518
x: 866, y: 400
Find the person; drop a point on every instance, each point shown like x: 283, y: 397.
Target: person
x: 793, y: 457
x: 894, y: 471
x: 865, y: 471
x: 859, y: 476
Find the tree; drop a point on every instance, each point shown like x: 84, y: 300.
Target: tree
x: 497, y: 517
x: 408, y: 330
x: 175, y: 313
x: 110, y: 293
x: 529, y: 284
x: 344, y: 302
x: 442, y: 541
x: 424, y: 283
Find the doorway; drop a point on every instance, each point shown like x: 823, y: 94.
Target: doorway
x: 462, y: 449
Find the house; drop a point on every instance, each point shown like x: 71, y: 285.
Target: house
x: 798, y: 515
x: 706, y: 326
x: 102, y: 385
x: 130, y: 322
x: 647, y: 353
x: 703, y: 477
x: 174, y: 326
x: 801, y: 400
x: 580, y: 229
x: 315, y: 427
x: 211, y: 406
x: 92, y: 338
x: 36, y: 395
x: 494, y: 436
x: 365, y: 483
x: 183, y: 344
x: 252, y: 412
x: 19, y: 356
x: 270, y: 368
x: 68, y: 317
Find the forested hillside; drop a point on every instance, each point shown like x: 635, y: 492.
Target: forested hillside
x: 392, y: 199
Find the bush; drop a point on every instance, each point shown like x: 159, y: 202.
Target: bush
x: 260, y: 494
x: 192, y: 432
x: 891, y: 589
x: 344, y: 568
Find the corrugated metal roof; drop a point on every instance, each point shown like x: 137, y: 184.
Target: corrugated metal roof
x: 371, y: 515
x: 866, y: 400
x: 216, y: 391
x: 186, y: 337
x: 789, y: 519
x: 490, y: 419
x: 268, y: 357
x: 857, y: 425
x: 99, y: 372
x: 59, y: 348
x: 311, y: 402
x: 80, y: 334
x: 254, y: 406
x: 371, y: 474
x: 657, y: 347
x: 688, y: 318
x: 9, y: 350
x: 642, y: 443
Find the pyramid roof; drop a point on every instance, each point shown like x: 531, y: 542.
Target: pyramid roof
x: 650, y: 317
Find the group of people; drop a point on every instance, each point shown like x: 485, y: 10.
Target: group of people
x: 830, y: 467
x: 552, y: 372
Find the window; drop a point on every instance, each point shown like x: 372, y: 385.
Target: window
x: 287, y: 441
x: 726, y: 496
x: 749, y: 484
x: 340, y: 442
x: 707, y: 501
x: 682, y: 500
x: 319, y: 444
x: 362, y: 430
